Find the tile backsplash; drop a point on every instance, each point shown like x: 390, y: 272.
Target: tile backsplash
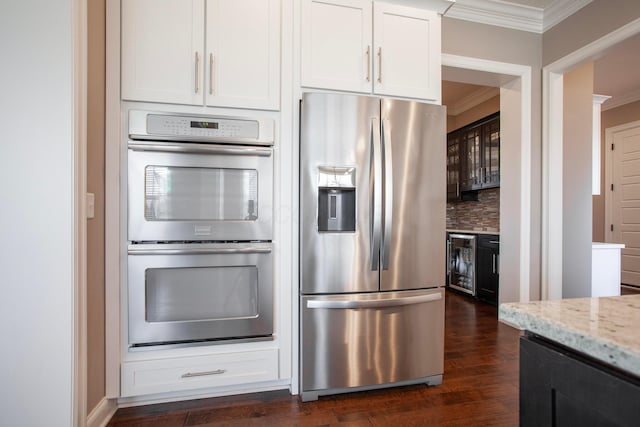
x: 481, y: 215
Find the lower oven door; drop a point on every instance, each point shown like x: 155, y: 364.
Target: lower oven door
x: 181, y: 293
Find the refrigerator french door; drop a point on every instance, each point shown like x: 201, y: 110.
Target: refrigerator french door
x: 372, y: 219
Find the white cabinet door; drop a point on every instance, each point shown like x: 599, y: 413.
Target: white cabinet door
x: 407, y: 52
x: 243, y: 53
x: 162, y: 51
x: 336, y: 44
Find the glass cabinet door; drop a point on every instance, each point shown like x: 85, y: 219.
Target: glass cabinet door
x: 471, y: 140
x: 473, y: 157
x: 453, y: 166
x: 491, y: 147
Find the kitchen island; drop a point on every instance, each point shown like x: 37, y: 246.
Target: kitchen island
x: 579, y: 360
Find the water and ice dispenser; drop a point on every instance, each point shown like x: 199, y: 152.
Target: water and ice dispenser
x: 336, y: 199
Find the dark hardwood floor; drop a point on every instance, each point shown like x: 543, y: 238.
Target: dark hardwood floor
x: 480, y: 388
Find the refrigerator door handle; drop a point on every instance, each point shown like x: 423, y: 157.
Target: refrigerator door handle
x: 375, y: 194
x: 374, y: 303
x: 387, y: 193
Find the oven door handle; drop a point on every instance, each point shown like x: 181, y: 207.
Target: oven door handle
x: 199, y: 251
x: 201, y: 149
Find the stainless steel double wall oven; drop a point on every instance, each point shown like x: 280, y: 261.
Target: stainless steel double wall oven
x: 200, y: 194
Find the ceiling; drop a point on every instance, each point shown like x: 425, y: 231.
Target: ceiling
x: 616, y: 73
x: 534, y: 3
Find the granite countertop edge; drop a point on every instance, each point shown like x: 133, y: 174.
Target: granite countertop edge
x: 599, y: 348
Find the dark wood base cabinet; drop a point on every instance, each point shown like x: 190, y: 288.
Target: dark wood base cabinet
x: 487, y: 268
x: 561, y: 388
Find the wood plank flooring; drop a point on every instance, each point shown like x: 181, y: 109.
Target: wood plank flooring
x: 480, y: 388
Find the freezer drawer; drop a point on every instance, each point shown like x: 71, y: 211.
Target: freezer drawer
x: 364, y: 340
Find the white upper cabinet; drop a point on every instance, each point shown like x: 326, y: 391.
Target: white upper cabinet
x: 175, y: 52
x: 371, y: 47
x: 162, y: 50
x: 336, y: 44
x: 407, y: 56
x: 243, y: 53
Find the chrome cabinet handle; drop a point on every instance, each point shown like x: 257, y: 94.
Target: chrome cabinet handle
x: 495, y: 241
x: 369, y: 63
x: 448, y: 257
x: 380, y: 65
x: 494, y: 262
x: 374, y: 303
x: 375, y: 194
x: 197, y: 72
x: 211, y: 74
x: 458, y: 189
x: 203, y: 373
x: 387, y: 193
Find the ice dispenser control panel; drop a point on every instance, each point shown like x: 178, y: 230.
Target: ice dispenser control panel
x: 336, y: 199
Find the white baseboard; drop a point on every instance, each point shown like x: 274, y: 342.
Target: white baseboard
x: 102, y: 413
x: 152, y: 399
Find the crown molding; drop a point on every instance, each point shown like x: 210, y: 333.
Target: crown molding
x: 472, y: 100
x: 560, y: 10
x: 618, y: 101
x: 499, y: 13
x: 502, y: 13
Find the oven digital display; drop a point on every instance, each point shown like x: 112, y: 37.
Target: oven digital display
x: 204, y: 125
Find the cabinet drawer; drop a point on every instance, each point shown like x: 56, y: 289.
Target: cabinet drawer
x: 490, y: 241
x: 188, y: 373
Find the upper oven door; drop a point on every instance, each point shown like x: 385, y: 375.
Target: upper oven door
x: 193, y: 192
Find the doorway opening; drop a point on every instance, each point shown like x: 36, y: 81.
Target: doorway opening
x: 514, y: 83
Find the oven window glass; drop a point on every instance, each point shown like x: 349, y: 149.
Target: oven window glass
x: 201, y: 293
x: 200, y: 194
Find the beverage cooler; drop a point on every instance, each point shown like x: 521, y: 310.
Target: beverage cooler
x: 461, y: 261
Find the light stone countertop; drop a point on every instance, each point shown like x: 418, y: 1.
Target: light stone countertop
x: 607, y: 328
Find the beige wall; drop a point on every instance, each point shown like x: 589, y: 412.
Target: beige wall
x: 476, y: 113
x: 590, y: 23
x: 490, y: 42
x: 576, y: 182
x: 610, y: 118
x: 523, y: 48
x: 95, y: 184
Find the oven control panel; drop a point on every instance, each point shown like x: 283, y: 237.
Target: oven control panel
x: 165, y: 126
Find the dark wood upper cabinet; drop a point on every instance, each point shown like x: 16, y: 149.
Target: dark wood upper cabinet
x: 473, y: 157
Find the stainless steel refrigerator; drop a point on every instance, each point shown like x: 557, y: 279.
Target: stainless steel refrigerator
x: 372, y: 243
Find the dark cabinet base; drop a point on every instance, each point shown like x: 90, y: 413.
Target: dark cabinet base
x: 561, y: 388
x: 487, y: 268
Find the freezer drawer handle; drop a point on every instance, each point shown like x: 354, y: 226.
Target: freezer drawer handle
x: 203, y: 373
x: 374, y: 303
x: 200, y: 149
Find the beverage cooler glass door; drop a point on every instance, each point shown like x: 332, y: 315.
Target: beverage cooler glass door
x: 202, y: 192
x: 461, y: 262
x: 182, y: 293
